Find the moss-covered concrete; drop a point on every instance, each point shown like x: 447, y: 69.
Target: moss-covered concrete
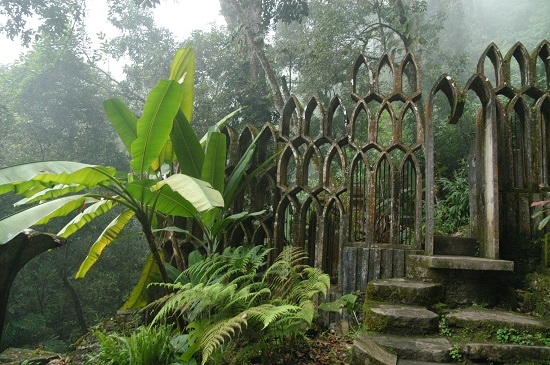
x: 405, y: 291
x: 537, y: 294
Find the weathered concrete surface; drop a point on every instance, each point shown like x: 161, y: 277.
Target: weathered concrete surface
x: 404, y: 291
x: 462, y: 286
x: 367, y: 352
x: 13, y: 356
x: 412, y: 362
x: 418, y: 349
x: 487, y: 318
x: 463, y: 263
x: 507, y: 353
x: 400, y: 319
x: 455, y: 246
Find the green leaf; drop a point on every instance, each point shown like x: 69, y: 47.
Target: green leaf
x: 123, y: 121
x: 108, y: 235
x: 199, y: 193
x: 213, y: 170
x: 89, y: 176
x: 221, y: 225
x: 183, y: 71
x: 21, y: 178
x: 222, y: 122
x: 167, y: 201
x: 335, y: 307
x: 154, y: 126
x: 187, y: 147
x: 51, y: 193
x: 194, y: 257
x: 39, y: 214
x: 172, y: 272
x: 237, y: 175
x: 90, y: 213
x: 544, y: 222
x: 150, y: 274
x: 171, y: 229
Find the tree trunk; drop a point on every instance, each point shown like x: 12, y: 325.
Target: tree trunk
x: 255, y: 41
x: 76, y: 300
x: 14, y: 255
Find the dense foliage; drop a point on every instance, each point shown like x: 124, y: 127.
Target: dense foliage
x: 51, y: 106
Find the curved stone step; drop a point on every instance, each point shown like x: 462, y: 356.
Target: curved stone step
x: 400, y: 319
x: 488, y: 318
x: 418, y: 349
x: 502, y: 353
x: 404, y: 291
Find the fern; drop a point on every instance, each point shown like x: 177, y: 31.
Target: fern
x: 216, y: 335
x: 226, y: 292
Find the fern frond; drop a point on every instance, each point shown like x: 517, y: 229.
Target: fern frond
x: 268, y: 313
x: 219, y: 332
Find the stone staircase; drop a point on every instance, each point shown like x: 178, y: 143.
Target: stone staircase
x: 410, y: 323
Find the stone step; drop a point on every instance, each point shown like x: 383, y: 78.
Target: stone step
x: 434, y: 350
x: 400, y: 319
x: 404, y: 291
x: 12, y: 356
x: 456, y: 246
x: 413, y: 362
x: 501, y: 353
x: 489, y: 319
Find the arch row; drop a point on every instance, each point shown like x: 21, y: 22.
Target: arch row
x: 354, y: 179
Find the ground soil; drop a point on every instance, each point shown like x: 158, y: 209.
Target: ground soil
x: 324, y: 348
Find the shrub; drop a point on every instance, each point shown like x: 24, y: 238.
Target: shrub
x: 453, y: 210
x: 148, y: 345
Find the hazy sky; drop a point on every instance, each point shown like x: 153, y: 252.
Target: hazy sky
x: 181, y: 17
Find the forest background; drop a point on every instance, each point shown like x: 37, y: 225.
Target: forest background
x: 51, y: 102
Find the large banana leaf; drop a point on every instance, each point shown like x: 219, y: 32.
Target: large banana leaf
x: 237, y: 175
x: 155, y: 124
x: 109, y: 234
x: 51, y: 193
x: 123, y: 121
x: 150, y: 274
x: 165, y: 200
x: 213, y: 170
x: 187, y: 147
x: 39, y: 214
x: 183, y: 68
x: 165, y: 156
x: 21, y: 178
x: 90, y: 213
x: 199, y: 193
x: 89, y: 176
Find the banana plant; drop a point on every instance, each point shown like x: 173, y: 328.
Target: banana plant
x: 174, y: 174
x: 145, y: 194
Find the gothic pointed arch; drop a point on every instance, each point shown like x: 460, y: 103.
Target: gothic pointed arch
x: 337, y: 119
x: 314, y: 119
x: 331, y: 246
x: 484, y: 209
x: 361, y: 78
x: 448, y: 87
x: 291, y: 123
x: 385, y: 76
x: 496, y: 71
x: 409, y: 80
